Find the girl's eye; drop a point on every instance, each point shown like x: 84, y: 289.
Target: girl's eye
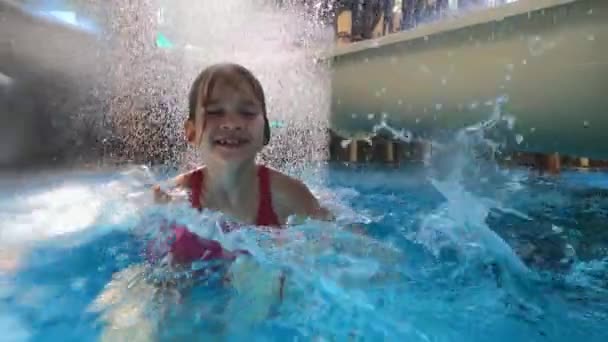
x: 215, y: 111
x: 248, y: 112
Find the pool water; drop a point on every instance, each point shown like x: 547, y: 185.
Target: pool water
x: 412, y: 255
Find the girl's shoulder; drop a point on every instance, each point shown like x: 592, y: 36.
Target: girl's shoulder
x: 292, y: 196
x: 185, y: 179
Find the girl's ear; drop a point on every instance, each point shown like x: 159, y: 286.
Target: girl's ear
x: 190, y: 131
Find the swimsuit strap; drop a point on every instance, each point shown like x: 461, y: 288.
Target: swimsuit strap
x: 196, y: 187
x: 266, y: 214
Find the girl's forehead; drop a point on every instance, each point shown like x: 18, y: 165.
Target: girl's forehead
x: 232, y: 89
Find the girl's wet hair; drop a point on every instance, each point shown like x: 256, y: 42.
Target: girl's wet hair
x: 231, y: 73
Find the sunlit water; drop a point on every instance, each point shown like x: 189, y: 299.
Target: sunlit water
x: 410, y: 256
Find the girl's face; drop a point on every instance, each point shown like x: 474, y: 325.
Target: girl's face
x: 230, y: 128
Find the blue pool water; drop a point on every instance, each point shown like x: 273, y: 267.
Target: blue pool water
x: 413, y: 256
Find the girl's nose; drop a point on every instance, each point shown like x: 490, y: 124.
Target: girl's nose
x: 232, y: 122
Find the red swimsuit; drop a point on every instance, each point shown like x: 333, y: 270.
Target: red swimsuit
x: 187, y: 247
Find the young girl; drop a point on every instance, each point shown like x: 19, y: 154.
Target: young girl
x: 228, y: 124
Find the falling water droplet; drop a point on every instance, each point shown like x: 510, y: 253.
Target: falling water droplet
x: 510, y: 121
x: 438, y: 106
x: 400, y: 102
x: 524, y: 62
x: 444, y: 81
x: 590, y: 12
x: 345, y: 143
x: 591, y: 37
x: 370, y: 116
x: 353, y: 115
x: 585, y: 123
x: 533, y: 129
x: 508, y: 78
x: 519, y: 138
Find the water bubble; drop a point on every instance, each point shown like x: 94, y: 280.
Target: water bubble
x: 384, y: 115
x: 524, y: 62
x: 508, y: 78
x: 585, y: 123
x: 78, y: 284
x: 444, y: 81
x: 474, y: 105
x: 510, y: 67
x: 417, y: 120
x: 378, y: 93
x: 569, y: 251
x: 371, y: 116
x: 519, y: 139
x: 354, y: 115
x: 590, y: 12
x: 591, y: 37
x: 400, y: 102
x: 533, y: 129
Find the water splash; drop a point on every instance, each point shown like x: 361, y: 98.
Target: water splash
x: 131, y: 102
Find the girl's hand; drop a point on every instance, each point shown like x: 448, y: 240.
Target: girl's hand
x: 160, y: 196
